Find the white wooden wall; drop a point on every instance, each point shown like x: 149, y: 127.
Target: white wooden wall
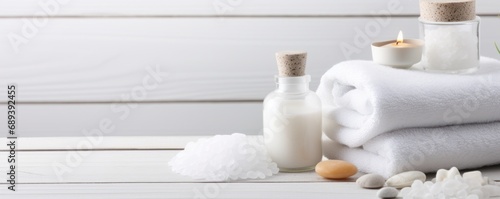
x: 78, y: 63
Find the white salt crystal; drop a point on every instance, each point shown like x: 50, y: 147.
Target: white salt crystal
x: 473, y: 178
x: 478, y: 192
x: 492, y: 190
x: 428, y: 184
x: 405, y: 191
x: 450, y: 48
x: 472, y: 197
x: 436, y: 188
x: 452, y: 186
x: 462, y: 193
x: 225, y: 157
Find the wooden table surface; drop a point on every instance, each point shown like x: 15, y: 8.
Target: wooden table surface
x: 144, y: 173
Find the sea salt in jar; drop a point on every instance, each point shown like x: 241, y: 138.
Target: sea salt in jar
x: 450, y: 29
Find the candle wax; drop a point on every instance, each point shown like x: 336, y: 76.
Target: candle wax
x: 399, y: 45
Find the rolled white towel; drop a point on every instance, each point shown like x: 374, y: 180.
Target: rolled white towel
x: 423, y: 149
x: 362, y: 99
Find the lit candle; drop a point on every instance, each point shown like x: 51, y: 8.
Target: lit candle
x: 397, y: 53
x: 399, y: 42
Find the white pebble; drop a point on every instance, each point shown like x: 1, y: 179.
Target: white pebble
x: 371, y: 181
x: 387, y: 192
x: 405, y: 179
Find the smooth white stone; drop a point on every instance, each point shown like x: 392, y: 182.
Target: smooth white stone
x: 387, y: 192
x: 405, y: 179
x: 371, y: 181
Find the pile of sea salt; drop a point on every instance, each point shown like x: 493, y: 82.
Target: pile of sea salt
x: 225, y: 157
x: 450, y: 184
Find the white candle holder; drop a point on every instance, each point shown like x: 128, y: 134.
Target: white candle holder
x: 397, y: 57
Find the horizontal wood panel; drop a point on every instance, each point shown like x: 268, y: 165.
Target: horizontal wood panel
x: 189, y: 191
x: 192, y: 190
x: 118, y: 166
x: 148, y: 119
x: 107, y: 60
x: 145, y: 174
x: 134, y: 166
x: 218, y: 7
x: 139, y: 142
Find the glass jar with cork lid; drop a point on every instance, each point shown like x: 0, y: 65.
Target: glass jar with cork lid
x: 450, y: 29
x: 292, y: 116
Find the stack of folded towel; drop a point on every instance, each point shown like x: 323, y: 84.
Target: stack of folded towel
x: 387, y: 120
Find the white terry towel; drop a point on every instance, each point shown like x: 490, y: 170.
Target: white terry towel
x: 423, y: 149
x: 362, y: 99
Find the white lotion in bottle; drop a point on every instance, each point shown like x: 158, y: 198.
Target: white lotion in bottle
x: 292, y: 116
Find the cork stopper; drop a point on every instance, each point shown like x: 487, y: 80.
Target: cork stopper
x: 447, y: 10
x: 291, y: 63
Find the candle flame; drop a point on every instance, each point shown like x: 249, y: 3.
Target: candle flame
x: 400, y: 38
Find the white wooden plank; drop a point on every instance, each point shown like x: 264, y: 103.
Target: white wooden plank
x: 145, y: 174
x: 102, y: 143
x: 78, y: 60
x: 143, y: 119
x: 192, y: 190
x: 134, y: 166
x: 217, y: 7
x: 166, y: 146
x: 138, y: 166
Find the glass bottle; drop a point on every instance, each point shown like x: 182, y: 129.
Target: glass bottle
x: 292, y: 118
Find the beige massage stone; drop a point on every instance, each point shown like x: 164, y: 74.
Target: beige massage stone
x: 291, y: 63
x: 336, y: 169
x: 447, y: 10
